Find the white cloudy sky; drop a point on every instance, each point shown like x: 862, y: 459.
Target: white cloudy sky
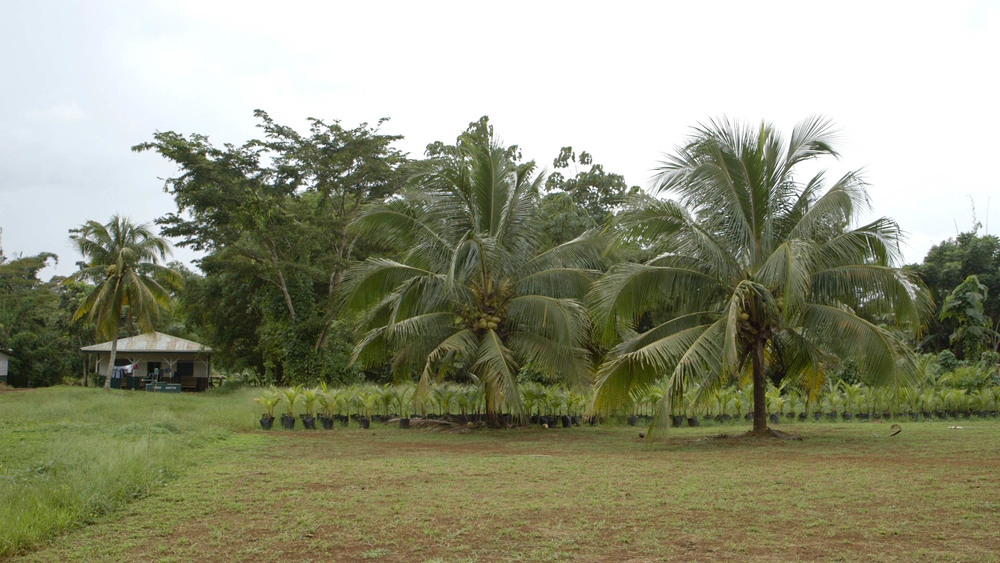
x: 913, y: 86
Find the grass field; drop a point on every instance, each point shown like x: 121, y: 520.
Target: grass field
x: 205, y: 485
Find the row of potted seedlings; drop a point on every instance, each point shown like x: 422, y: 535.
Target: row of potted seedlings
x: 555, y: 405
x: 549, y: 405
x: 840, y: 401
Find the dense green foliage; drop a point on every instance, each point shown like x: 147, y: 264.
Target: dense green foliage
x: 123, y: 263
x: 471, y: 287
x: 946, y: 267
x: 36, y: 328
x: 769, y: 275
x: 435, y: 261
x: 272, y: 216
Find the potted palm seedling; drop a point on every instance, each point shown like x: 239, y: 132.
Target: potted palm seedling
x: 531, y: 397
x: 385, y: 399
x: 291, y: 395
x: 328, y: 408
x: 366, y: 401
x: 577, y: 405
x: 268, y: 399
x: 402, y: 396
x: 559, y: 401
x: 309, y: 398
x: 775, y: 404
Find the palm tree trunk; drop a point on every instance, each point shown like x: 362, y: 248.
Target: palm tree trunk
x: 759, y: 389
x: 111, y: 363
x: 492, y: 416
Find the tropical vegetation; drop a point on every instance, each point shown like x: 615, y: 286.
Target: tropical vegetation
x: 471, y: 288
x: 766, y: 274
x: 123, y: 263
x: 331, y: 257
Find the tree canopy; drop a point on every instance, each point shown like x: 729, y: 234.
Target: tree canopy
x: 272, y: 215
x: 123, y: 262
x: 768, y: 275
x: 470, y: 287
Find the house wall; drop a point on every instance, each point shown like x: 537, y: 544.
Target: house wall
x: 201, y: 365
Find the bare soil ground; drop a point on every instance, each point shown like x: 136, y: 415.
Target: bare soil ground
x: 931, y: 493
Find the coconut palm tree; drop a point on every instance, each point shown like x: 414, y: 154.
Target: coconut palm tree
x: 123, y: 262
x: 769, y: 277
x: 470, y: 288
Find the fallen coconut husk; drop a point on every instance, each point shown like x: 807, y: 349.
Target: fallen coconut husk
x: 896, y: 429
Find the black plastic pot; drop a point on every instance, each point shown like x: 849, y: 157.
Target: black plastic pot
x: 847, y: 416
x: 404, y: 423
x: 677, y: 420
x: 693, y: 421
x: 803, y: 417
x: 266, y: 422
x: 326, y: 421
x: 566, y: 421
x: 774, y: 418
x: 287, y: 421
x: 633, y: 420
x: 308, y: 421
x: 817, y: 415
x: 364, y: 423
x: 576, y: 420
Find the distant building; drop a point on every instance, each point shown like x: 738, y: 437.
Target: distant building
x: 158, y: 356
x: 4, y: 366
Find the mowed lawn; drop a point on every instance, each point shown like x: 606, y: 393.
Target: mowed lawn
x: 581, y: 494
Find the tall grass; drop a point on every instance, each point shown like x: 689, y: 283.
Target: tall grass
x: 70, y: 454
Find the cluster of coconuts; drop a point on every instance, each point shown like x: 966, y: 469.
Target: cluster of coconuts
x: 487, y: 322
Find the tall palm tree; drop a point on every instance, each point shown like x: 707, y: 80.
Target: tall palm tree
x: 470, y: 288
x: 122, y: 260
x: 768, y: 276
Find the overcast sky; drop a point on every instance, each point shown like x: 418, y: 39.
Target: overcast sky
x: 912, y: 86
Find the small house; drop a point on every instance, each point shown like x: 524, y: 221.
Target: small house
x: 158, y: 357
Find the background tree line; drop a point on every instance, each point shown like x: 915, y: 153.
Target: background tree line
x: 273, y: 218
